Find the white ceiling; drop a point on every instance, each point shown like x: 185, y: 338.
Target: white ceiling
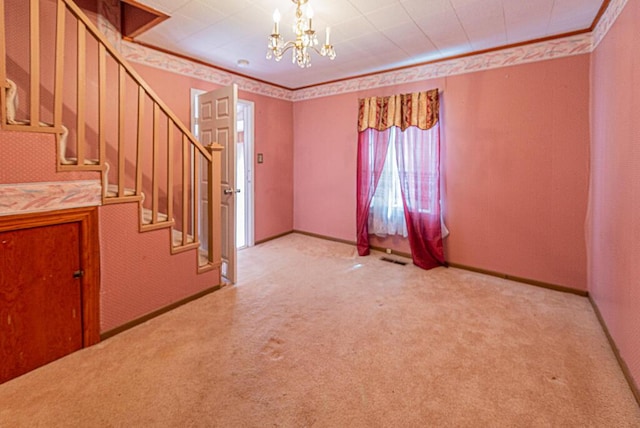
x: 368, y: 35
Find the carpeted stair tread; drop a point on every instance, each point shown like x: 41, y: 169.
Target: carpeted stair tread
x: 112, y: 191
x: 74, y: 161
x: 176, y: 236
x: 147, y: 216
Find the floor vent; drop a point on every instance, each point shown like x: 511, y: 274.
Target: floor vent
x: 398, y: 262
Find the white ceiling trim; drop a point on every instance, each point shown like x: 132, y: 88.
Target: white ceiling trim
x: 608, y: 19
x: 143, y: 55
x: 556, y: 48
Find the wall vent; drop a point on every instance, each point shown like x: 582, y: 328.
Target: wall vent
x: 398, y: 262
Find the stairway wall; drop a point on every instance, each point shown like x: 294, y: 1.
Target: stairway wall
x: 28, y: 157
x: 29, y: 181
x: 138, y: 273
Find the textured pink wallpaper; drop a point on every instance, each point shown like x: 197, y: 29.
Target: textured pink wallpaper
x: 325, y: 133
x: 28, y: 157
x: 515, y: 167
x: 273, y: 138
x: 516, y: 157
x: 138, y: 272
x: 614, y: 221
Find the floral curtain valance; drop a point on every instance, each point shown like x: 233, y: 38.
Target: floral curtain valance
x: 417, y: 109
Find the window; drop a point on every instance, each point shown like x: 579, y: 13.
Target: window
x: 398, y: 175
x: 386, y: 214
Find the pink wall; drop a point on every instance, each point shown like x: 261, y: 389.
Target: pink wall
x: 138, y: 272
x: 515, y: 167
x: 324, y: 130
x: 614, y: 221
x: 273, y: 138
x: 30, y: 157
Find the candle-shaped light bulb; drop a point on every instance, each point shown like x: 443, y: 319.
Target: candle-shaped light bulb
x: 309, y: 14
x: 276, y: 22
x: 327, y: 38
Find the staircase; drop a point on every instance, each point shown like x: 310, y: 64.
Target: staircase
x: 70, y: 82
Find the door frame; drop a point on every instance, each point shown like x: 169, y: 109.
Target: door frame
x: 89, y: 258
x: 250, y: 177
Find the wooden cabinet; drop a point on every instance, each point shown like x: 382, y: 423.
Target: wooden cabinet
x: 48, y: 288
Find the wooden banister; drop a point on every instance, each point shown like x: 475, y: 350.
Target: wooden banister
x: 139, y: 140
x: 102, y: 104
x: 77, y: 12
x: 214, y: 254
x: 59, y: 72
x: 185, y: 188
x: 117, y: 91
x: 34, y: 61
x: 154, y: 164
x: 81, y: 89
x: 196, y: 193
x: 121, y: 128
x: 170, y: 156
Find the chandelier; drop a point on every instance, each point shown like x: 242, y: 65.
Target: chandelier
x: 305, y: 40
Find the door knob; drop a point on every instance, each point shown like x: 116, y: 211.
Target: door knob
x: 230, y: 191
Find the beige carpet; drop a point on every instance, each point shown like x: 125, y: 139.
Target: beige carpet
x: 313, y: 335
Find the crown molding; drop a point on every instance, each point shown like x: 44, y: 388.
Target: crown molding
x: 550, y: 49
x: 154, y: 58
x: 614, y: 9
x: 576, y: 44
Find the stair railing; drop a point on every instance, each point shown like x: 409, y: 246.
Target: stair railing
x: 144, y: 170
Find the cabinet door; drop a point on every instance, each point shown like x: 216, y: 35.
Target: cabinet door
x: 40, y: 297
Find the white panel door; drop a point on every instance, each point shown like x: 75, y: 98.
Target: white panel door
x: 217, y: 123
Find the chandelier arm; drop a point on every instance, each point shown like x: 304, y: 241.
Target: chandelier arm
x: 315, y: 49
x: 318, y: 51
x: 288, y: 45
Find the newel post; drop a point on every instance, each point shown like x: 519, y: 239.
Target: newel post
x: 215, y: 198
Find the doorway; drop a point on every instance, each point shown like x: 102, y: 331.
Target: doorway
x: 244, y: 175
x: 244, y: 212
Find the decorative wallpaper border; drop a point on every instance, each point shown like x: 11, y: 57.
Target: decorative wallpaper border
x: 607, y: 20
x: 151, y: 57
x: 557, y: 48
x: 25, y: 198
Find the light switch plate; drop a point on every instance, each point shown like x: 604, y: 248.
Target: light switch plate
x: 260, y: 158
